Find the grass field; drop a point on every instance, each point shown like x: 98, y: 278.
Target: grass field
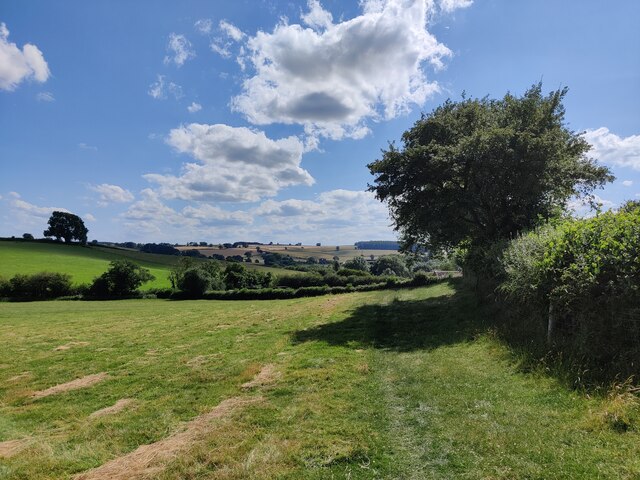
x: 391, y: 384
x: 84, y: 263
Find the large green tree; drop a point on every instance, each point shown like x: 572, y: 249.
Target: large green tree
x: 477, y: 171
x: 68, y: 226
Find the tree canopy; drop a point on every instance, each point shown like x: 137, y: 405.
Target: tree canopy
x: 68, y: 226
x: 480, y: 170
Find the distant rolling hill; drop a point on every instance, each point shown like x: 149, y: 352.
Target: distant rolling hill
x: 84, y: 263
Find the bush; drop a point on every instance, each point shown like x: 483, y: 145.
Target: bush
x: 39, y: 286
x: 351, y: 272
x: 357, y: 263
x: 121, y: 280
x: 195, y: 282
x: 390, y: 264
x: 584, y: 277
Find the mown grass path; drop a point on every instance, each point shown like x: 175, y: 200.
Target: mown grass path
x: 392, y: 384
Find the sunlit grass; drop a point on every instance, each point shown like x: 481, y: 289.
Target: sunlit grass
x: 390, y: 384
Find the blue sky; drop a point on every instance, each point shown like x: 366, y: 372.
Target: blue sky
x: 255, y: 120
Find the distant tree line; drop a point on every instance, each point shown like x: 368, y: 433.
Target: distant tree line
x: 378, y: 245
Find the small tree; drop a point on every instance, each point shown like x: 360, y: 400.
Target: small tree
x: 68, y: 226
x: 27, y: 236
x: 121, y: 280
x: 480, y: 171
x: 390, y: 265
x: 357, y: 263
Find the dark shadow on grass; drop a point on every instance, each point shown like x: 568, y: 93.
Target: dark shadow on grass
x: 404, y: 325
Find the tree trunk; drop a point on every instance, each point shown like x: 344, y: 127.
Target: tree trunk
x: 551, y: 325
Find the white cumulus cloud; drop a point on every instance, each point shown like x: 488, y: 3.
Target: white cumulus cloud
x: 337, y: 214
x: 451, y: 5
x: 317, y: 17
x: 179, y: 50
x: 231, y: 164
x: 627, y: 183
x: 333, y: 77
x: 112, y: 194
x: 614, y: 150
x: 18, y: 65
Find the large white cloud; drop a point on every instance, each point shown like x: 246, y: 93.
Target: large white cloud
x: 451, y: 5
x: 331, y: 77
x: 335, y: 216
x: 112, y: 194
x: 17, y: 65
x: 232, y: 164
x: 614, y: 150
x: 150, y: 217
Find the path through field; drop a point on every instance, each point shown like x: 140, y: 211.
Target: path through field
x: 393, y: 384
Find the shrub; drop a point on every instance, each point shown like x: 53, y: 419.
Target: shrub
x: 351, y: 272
x: 580, y: 281
x: 390, y: 264
x: 121, y: 280
x: 39, y: 286
x: 357, y: 263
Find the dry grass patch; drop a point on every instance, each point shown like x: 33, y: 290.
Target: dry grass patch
x: 70, y: 345
x: 20, y: 376
x: 115, y: 408
x: 265, y: 376
x: 149, y: 460
x: 9, y: 448
x: 76, y: 384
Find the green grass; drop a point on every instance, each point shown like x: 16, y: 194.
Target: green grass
x: 84, y: 263
x: 391, y: 384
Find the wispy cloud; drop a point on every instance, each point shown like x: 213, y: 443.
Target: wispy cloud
x: 45, y: 97
x: 179, y: 50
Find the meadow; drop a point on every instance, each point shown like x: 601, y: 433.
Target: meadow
x: 405, y: 384
x: 84, y: 263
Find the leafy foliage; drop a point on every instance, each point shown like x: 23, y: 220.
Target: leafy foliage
x: 390, y: 265
x: 357, y: 263
x: 121, y: 280
x: 481, y: 170
x: 39, y: 286
x: 589, y: 271
x: 68, y: 226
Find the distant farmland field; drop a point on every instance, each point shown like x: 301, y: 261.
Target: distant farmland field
x: 84, y: 263
x: 301, y: 253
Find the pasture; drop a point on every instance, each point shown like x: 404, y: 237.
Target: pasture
x: 297, y: 252
x: 84, y: 263
x: 389, y: 384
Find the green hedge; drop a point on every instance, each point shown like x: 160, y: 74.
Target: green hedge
x: 588, y: 272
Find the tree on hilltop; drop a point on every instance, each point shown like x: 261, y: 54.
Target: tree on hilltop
x: 68, y: 226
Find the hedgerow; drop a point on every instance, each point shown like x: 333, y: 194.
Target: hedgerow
x: 578, y: 284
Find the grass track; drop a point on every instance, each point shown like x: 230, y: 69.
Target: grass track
x: 84, y: 263
x: 372, y: 385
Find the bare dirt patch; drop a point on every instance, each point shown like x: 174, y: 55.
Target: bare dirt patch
x: 76, y: 384
x: 149, y: 460
x: 9, y: 448
x: 115, y: 408
x: 266, y: 376
x: 70, y: 345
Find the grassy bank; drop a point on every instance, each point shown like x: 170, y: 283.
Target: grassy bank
x: 390, y: 384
